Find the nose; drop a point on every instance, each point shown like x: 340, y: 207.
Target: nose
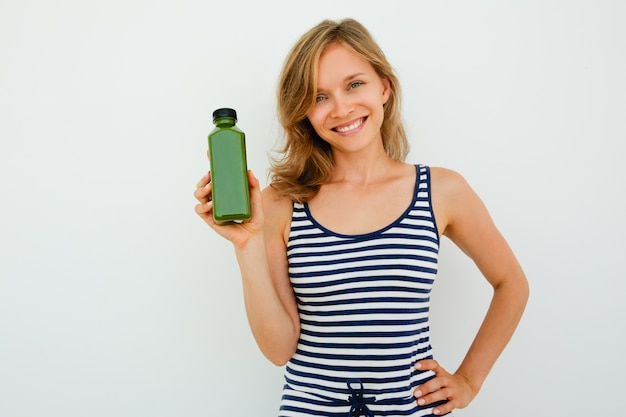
x: 342, y: 107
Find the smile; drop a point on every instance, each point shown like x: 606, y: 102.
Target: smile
x: 352, y: 126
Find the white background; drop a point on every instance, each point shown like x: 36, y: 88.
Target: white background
x: 117, y: 300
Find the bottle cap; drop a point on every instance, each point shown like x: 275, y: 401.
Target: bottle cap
x: 224, y: 112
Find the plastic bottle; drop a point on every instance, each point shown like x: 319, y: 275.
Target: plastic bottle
x: 229, y: 170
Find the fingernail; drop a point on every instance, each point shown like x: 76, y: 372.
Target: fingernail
x: 418, y: 393
x: 421, y: 401
x: 418, y: 365
x: 436, y: 411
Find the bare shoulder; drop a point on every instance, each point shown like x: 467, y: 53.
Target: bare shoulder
x: 272, y: 199
x: 446, y: 182
x: 277, y: 210
x: 453, y: 199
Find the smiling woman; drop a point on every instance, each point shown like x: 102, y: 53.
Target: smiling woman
x: 341, y: 252
x: 306, y: 158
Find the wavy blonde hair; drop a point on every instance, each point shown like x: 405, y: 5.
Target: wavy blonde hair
x: 305, y: 161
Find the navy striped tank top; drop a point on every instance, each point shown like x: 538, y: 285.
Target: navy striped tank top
x: 363, y: 302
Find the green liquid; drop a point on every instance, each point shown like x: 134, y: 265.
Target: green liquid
x: 229, y: 172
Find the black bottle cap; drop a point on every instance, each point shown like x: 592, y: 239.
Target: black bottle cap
x: 224, y: 112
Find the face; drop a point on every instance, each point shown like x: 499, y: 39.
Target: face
x: 348, y: 110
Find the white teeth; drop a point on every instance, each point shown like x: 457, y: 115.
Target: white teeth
x: 351, y: 127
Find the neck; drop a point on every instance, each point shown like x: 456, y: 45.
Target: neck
x: 362, y: 168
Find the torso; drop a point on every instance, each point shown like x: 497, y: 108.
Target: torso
x: 363, y: 300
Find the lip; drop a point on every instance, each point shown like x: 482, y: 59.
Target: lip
x: 352, y: 126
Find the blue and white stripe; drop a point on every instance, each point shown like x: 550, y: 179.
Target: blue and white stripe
x: 364, y: 306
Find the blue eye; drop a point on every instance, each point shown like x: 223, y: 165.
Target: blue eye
x: 355, y: 84
x: 319, y: 99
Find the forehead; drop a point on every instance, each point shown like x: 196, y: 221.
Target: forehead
x: 337, y: 60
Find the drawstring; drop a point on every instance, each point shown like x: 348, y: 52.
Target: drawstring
x: 358, y: 403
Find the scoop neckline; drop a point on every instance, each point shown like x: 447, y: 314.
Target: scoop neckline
x: 375, y: 232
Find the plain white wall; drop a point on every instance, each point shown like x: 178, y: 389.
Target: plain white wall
x: 116, y: 300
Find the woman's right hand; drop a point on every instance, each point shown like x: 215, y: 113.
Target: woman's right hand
x: 237, y: 233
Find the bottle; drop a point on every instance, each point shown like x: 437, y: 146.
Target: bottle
x: 229, y: 170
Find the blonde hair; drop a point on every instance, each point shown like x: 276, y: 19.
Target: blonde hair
x: 305, y: 161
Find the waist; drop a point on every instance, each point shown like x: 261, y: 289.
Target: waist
x: 383, y: 377
x: 355, y: 400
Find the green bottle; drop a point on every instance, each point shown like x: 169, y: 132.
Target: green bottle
x: 229, y: 170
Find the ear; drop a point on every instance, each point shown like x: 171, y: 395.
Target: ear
x: 386, y: 90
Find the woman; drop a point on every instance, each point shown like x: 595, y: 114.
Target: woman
x: 340, y: 254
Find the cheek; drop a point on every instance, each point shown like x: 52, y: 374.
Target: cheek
x: 316, y: 117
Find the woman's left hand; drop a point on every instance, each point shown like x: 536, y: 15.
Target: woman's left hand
x: 444, y: 386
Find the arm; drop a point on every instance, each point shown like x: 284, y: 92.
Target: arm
x: 260, y: 248
x: 462, y: 217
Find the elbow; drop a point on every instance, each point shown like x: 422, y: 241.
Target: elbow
x: 279, y: 361
x: 280, y: 357
x: 279, y: 353
x: 515, y: 288
x: 521, y: 289
x: 524, y: 288
x: 279, y: 346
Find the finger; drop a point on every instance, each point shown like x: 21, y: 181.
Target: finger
x: 255, y: 189
x: 203, y: 194
x: 427, y: 365
x: 204, y: 180
x: 443, y: 409
x: 205, y: 211
x: 428, y: 387
x: 252, y: 180
x: 204, y: 208
x: 435, y: 396
x: 441, y: 379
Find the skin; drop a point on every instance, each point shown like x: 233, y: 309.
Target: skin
x: 368, y: 191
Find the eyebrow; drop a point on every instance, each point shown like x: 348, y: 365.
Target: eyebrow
x: 349, y: 77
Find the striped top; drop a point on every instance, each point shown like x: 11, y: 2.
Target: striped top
x: 363, y: 302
